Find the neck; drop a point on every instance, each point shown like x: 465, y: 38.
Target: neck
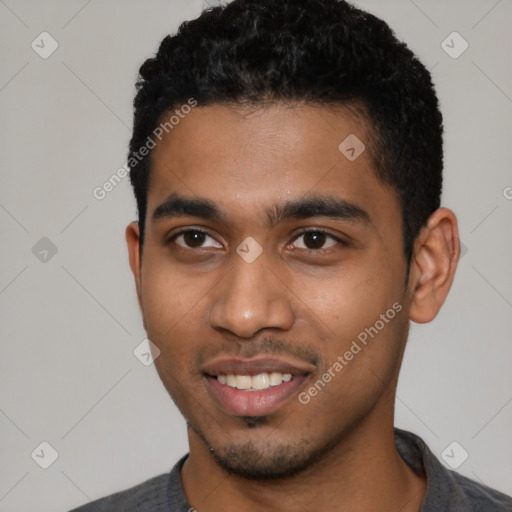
x: 363, y: 472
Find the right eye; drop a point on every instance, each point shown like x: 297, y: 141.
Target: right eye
x: 193, y: 239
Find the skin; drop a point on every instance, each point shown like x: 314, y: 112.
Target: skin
x: 201, y: 303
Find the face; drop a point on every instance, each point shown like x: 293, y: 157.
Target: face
x: 272, y: 282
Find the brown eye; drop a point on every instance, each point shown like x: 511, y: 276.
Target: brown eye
x: 315, y: 240
x: 194, y: 239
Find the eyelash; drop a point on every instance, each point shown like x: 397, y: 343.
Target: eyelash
x: 304, y: 232
x: 339, y: 241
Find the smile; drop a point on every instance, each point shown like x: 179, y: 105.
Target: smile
x: 254, y: 387
x: 254, y: 382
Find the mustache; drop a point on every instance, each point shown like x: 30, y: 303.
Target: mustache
x: 267, y: 345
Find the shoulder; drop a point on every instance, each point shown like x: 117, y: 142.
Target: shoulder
x: 447, y: 490
x: 146, y: 496
x: 162, y: 493
x: 477, y: 497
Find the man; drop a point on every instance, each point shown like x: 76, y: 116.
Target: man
x: 287, y: 164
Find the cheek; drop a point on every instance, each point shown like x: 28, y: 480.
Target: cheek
x: 170, y: 296
x: 356, y: 375
x: 178, y: 339
x: 351, y: 299
x: 174, y: 304
x: 361, y: 309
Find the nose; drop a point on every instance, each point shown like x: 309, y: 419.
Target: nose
x: 251, y: 298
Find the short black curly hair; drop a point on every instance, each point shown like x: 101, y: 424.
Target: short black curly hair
x: 322, y: 52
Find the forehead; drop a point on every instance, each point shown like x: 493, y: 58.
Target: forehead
x: 249, y: 159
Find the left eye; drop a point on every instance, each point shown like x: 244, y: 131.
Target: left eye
x: 194, y: 239
x: 314, y: 240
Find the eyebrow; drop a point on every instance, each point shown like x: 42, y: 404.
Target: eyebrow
x: 316, y: 206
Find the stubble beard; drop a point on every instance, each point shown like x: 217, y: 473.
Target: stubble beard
x: 253, y: 461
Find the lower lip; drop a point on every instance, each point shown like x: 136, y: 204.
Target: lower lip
x: 253, y: 403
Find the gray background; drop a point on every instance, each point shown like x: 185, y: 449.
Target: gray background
x: 69, y: 324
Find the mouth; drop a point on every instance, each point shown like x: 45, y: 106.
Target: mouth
x: 256, y: 382
x: 254, y: 387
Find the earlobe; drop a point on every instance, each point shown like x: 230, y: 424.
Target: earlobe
x: 434, y: 263
x: 132, y: 235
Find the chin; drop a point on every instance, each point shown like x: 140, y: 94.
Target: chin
x: 263, y: 460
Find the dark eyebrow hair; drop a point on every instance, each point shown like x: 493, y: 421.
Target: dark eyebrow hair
x: 317, y: 206
x: 179, y: 206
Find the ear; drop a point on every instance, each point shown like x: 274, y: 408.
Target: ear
x: 133, y: 241
x: 433, y: 265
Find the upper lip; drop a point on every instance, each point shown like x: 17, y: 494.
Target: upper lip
x: 255, y: 366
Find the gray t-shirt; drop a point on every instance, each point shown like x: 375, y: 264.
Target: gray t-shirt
x: 447, y: 491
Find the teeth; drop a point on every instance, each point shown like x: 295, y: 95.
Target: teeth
x: 276, y: 379
x: 243, y: 381
x: 255, y: 382
x: 261, y: 381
